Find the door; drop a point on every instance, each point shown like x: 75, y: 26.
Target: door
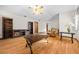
x: 30, y: 27
x: 36, y: 27
x: 46, y: 27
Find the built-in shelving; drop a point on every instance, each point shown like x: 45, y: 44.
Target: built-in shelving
x: 7, y: 25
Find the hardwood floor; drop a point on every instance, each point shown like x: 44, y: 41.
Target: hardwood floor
x: 14, y: 46
x: 54, y: 46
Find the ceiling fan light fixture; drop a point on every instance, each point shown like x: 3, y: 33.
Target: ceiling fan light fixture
x: 38, y: 9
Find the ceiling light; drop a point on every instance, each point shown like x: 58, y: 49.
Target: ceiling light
x: 37, y: 9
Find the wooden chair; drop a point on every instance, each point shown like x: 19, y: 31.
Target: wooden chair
x: 54, y: 32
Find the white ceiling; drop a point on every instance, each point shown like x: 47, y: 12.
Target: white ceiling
x: 49, y: 10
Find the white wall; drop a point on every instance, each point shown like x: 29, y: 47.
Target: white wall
x: 42, y: 25
x: 54, y: 22
x: 19, y: 22
x: 0, y: 27
x: 66, y: 18
x: 77, y: 20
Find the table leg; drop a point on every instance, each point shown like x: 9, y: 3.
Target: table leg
x: 31, y: 49
x: 47, y: 40
x: 61, y: 37
x: 72, y: 38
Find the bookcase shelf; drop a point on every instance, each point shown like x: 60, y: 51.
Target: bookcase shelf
x: 7, y: 27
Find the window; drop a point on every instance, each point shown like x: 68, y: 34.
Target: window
x: 76, y: 22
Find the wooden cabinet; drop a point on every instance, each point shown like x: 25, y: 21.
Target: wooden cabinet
x: 19, y: 32
x: 7, y: 27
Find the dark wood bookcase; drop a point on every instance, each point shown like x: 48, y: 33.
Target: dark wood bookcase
x: 7, y: 27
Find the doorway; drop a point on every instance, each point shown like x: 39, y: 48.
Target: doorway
x: 30, y: 27
x: 35, y: 27
x: 46, y: 27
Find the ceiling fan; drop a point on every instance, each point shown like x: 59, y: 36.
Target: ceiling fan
x: 37, y: 9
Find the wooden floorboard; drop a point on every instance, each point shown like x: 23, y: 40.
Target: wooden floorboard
x: 54, y: 46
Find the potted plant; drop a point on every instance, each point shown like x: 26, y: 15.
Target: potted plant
x: 68, y: 28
